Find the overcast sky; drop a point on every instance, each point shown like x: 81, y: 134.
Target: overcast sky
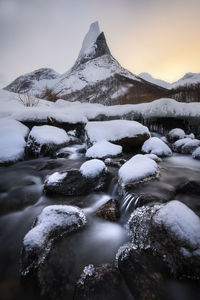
x: 157, y: 36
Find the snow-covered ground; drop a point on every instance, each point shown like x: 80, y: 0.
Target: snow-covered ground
x: 74, y: 112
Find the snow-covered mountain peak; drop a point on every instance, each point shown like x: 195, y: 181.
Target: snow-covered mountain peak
x: 89, y: 39
x: 94, y: 45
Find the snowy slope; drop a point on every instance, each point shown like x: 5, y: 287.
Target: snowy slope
x: 150, y: 78
x: 187, y: 79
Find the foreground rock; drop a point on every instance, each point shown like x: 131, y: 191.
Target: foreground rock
x: 156, y: 146
x: 92, y: 176
x: 109, y: 211
x: 138, y: 169
x: 53, y: 222
x: 143, y: 272
x: 172, y: 233
x: 46, y: 140
x: 129, y: 134
x: 12, y: 145
x: 102, y: 282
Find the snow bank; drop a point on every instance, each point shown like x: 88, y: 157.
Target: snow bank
x: 156, y: 146
x: 181, y: 221
x: 47, y: 134
x: 114, y: 130
x: 102, y: 149
x: 138, y: 168
x: 12, y: 134
x: 92, y: 168
x: 53, y: 218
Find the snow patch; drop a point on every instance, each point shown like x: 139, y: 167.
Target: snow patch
x: 47, y: 134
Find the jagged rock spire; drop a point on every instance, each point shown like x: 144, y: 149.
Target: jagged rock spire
x: 93, y: 46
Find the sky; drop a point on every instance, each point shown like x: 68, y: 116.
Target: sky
x: 160, y: 37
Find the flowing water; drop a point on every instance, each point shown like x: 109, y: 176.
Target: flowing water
x: 22, y: 199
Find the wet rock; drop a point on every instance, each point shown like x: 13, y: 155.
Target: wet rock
x: 102, y: 282
x: 189, y: 187
x: 73, y: 183
x: 171, y: 232
x: 114, y: 163
x: 143, y: 272
x: 50, y: 226
x: 109, y: 211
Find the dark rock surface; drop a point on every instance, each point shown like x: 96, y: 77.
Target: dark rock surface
x: 109, y: 211
x: 102, y: 282
x: 75, y: 184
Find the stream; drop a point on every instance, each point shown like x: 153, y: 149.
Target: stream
x: 22, y: 199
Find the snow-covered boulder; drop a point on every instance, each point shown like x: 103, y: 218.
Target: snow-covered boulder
x: 41, y: 242
x: 177, y: 146
x: 92, y: 168
x: 196, y: 153
x: 190, y: 146
x: 54, y: 221
x: 156, y: 146
x: 92, y: 176
x: 45, y: 140
x: 175, y: 134
x: 137, y: 169
x: 128, y: 134
x: 103, y: 149
x: 12, y: 136
x: 172, y: 232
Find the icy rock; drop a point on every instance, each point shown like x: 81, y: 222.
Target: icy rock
x: 128, y: 134
x: 101, y: 282
x: 138, y: 169
x: 156, y: 146
x: 103, y: 149
x: 175, y: 134
x: 46, y: 140
x: 165, y: 229
x: 53, y: 222
x: 196, y: 153
x: 12, y: 136
x: 91, y: 177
